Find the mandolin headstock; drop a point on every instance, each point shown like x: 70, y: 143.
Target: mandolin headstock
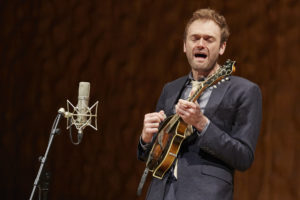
x: 225, y: 70
x: 229, y: 67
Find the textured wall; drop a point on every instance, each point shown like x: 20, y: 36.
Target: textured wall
x: 128, y: 50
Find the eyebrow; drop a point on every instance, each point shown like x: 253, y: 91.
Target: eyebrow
x: 204, y: 36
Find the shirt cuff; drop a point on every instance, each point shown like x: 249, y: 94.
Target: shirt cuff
x: 200, y: 134
x: 144, y: 145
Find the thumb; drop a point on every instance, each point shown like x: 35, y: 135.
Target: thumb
x: 163, y: 113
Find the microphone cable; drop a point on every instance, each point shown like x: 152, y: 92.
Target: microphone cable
x: 79, y: 135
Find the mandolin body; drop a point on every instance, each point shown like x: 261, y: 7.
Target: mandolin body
x: 166, y: 146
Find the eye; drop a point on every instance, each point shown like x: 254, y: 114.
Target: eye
x: 194, y: 38
x: 209, y: 39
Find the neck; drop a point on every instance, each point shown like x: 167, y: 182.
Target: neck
x: 197, y: 75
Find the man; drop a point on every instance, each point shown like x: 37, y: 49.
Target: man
x: 225, y: 120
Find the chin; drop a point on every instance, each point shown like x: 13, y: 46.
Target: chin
x: 202, y: 69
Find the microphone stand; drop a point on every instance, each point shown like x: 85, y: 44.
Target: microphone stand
x: 43, y: 187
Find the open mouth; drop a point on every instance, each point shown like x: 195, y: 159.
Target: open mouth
x: 200, y: 55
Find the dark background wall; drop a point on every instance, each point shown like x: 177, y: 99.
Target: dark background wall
x: 128, y: 50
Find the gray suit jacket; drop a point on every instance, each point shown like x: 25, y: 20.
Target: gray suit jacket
x: 206, y: 163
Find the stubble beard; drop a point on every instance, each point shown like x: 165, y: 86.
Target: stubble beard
x: 205, y: 69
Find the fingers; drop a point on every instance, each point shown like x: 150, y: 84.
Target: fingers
x: 151, y: 127
x: 162, y: 114
x: 190, y: 112
x: 182, y: 112
x: 155, y: 117
x: 184, y: 107
x: 151, y: 124
x: 187, y: 104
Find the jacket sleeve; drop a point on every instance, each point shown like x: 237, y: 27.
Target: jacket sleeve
x: 236, y: 147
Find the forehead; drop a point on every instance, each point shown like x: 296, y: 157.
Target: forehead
x: 204, y: 27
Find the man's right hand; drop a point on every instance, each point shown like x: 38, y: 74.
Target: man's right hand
x: 151, y: 124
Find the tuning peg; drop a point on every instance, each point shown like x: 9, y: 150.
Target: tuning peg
x: 226, y: 78
x: 223, y: 80
x: 215, y: 86
x: 219, y: 83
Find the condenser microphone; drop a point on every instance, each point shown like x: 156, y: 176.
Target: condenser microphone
x: 82, y: 115
x: 83, y: 104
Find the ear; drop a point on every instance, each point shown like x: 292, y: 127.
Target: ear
x: 184, y: 48
x: 222, y: 48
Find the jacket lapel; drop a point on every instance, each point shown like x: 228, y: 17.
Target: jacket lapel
x: 216, y: 98
x: 175, y: 94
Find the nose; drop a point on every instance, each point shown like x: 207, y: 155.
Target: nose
x: 201, y: 42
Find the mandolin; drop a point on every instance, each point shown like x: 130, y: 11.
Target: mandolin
x: 173, y: 130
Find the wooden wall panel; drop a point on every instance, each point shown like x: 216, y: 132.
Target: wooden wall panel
x: 128, y: 51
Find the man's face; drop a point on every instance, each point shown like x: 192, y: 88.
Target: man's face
x: 202, y: 45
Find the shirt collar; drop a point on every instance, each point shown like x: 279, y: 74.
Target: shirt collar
x: 191, y: 78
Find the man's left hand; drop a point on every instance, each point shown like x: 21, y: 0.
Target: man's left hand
x: 191, y: 113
